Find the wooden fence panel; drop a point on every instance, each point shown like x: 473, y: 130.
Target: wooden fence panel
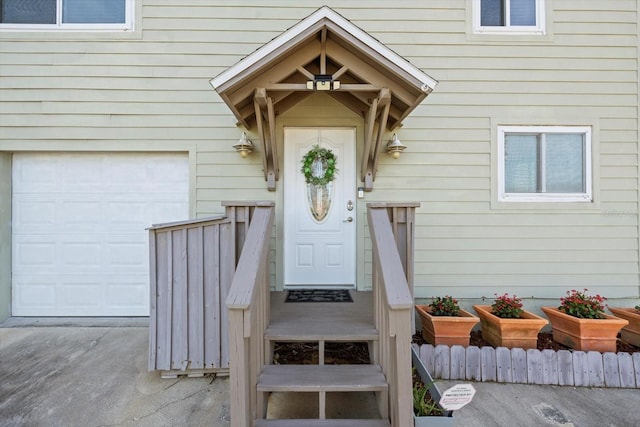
x: 519, y: 365
x: 488, y: 363
x: 191, y: 270
x: 428, y: 357
x: 503, y: 365
x: 549, y: 367
x: 442, y: 362
x: 474, y: 363
x: 627, y: 377
x: 596, y: 369
x: 611, y: 370
x: 535, y: 368
x: 636, y: 367
x: 564, y: 367
x: 580, y: 369
x: 458, y: 363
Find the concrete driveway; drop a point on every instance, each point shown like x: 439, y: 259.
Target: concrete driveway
x: 97, y: 376
x: 70, y: 374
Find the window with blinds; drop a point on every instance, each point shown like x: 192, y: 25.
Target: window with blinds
x: 544, y: 163
x: 66, y: 14
x: 499, y: 16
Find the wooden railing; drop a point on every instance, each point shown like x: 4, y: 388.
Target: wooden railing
x: 393, y: 308
x: 248, y: 305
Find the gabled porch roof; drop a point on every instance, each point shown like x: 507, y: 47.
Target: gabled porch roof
x: 372, y: 81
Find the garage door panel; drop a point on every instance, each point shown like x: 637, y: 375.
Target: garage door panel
x: 80, y: 249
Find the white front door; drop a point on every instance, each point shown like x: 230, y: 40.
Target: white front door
x: 319, y: 253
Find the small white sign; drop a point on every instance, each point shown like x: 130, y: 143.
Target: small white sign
x: 457, y: 396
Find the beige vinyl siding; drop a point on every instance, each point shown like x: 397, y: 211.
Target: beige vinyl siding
x: 95, y: 90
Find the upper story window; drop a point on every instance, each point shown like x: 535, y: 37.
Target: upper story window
x: 66, y: 14
x: 544, y: 163
x: 509, y: 16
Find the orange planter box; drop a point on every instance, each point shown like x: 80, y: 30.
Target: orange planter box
x: 585, y: 334
x: 631, y: 332
x: 510, y: 333
x: 447, y: 330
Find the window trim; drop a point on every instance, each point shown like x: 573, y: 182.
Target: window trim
x: 128, y: 25
x: 539, y: 28
x: 584, y: 197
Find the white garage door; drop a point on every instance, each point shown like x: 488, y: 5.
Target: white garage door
x: 79, y: 239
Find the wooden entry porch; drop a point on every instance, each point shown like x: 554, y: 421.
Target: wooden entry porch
x: 199, y: 265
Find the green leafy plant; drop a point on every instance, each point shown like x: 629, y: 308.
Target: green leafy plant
x: 328, y: 161
x: 444, y: 306
x: 637, y: 307
x: 582, y: 305
x: 423, y: 404
x: 507, y: 307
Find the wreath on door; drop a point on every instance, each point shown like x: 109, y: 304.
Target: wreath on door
x: 319, y: 166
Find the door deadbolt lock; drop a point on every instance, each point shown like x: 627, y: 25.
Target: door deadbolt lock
x: 349, y: 205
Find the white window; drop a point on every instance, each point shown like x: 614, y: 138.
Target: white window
x: 66, y: 14
x: 508, y: 16
x: 544, y: 164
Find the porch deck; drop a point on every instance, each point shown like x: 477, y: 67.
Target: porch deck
x: 322, y: 321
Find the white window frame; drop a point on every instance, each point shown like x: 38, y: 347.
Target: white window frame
x: 539, y: 28
x: 59, y: 26
x: 586, y: 196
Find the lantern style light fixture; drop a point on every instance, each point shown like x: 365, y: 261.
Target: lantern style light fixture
x: 395, y: 147
x: 244, y: 146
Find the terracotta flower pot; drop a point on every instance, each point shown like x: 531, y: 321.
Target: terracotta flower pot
x: 631, y: 332
x: 585, y: 334
x: 510, y: 333
x: 447, y: 330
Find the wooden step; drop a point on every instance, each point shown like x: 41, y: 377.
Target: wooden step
x: 321, y: 332
x: 322, y: 378
x: 322, y: 423
x: 351, y: 322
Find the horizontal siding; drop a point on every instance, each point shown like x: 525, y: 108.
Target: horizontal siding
x: 56, y: 89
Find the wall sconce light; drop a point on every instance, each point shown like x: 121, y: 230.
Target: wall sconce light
x: 323, y: 82
x: 395, y: 147
x: 244, y: 146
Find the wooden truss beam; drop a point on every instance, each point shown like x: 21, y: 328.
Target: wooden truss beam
x: 375, y: 125
x: 266, y: 123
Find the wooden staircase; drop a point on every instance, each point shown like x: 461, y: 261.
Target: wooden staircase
x: 259, y: 318
x: 321, y: 323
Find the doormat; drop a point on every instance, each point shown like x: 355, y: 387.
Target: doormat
x: 318, y: 295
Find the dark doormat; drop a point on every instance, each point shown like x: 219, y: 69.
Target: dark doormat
x: 318, y: 295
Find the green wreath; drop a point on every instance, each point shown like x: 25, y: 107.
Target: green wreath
x: 324, y: 155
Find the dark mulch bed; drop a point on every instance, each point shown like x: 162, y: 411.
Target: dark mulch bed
x: 358, y: 353
x: 545, y: 341
x: 335, y: 353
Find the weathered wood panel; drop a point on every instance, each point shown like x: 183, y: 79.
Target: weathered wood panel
x: 549, y: 367
x: 458, y: 363
x: 474, y: 365
x: 535, y: 368
x: 504, y: 365
x: 190, y: 272
x: 625, y: 363
x: 596, y: 369
x: 564, y: 367
x: 489, y: 364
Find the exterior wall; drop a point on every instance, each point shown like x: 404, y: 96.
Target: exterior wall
x: 148, y: 90
x: 5, y: 236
